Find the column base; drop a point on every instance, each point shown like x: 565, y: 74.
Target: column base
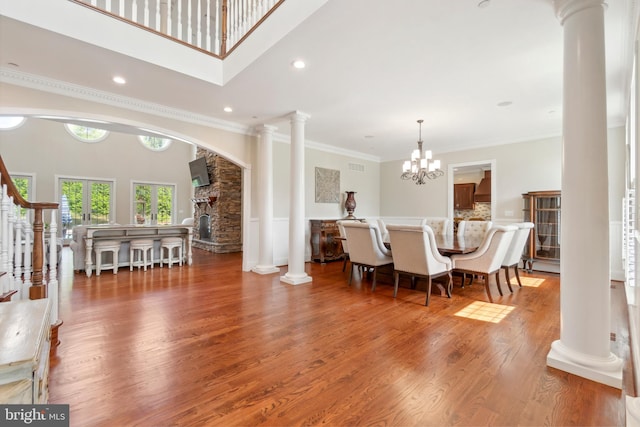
x: 296, y: 279
x: 265, y: 269
x: 602, y: 370
x: 632, y: 405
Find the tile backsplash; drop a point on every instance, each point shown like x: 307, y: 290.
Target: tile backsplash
x: 481, y: 210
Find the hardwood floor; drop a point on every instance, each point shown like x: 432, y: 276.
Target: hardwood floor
x: 210, y: 345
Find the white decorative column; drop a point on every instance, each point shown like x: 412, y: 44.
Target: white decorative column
x: 585, y: 301
x: 296, y: 274
x: 265, y: 201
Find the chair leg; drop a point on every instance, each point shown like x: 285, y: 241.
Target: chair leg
x: 428, y: 291
x: 413, y: 282
x: 498, y: 283
x: 449, y: 285
x: 350, y: 274
x: 395, y: 283
x: 373, y: 285
x: 517, y: 275
x: 506, y: 275
x: 344, y: 264
x: 486, y: 287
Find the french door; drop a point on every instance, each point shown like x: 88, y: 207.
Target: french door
x: 85, y: 202
x: 153, y: 203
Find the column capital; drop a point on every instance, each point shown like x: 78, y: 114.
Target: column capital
x: 299, y: 116
x: 265, y: 129
x: 566, y: 8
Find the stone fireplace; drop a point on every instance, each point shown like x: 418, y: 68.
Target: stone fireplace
x: 218, y: 206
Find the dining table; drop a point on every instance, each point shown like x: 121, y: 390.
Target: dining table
x: 452, y: 244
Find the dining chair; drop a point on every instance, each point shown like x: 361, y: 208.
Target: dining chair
x: 514, y: 254
x: 345, y: 244
x: 440, y: 226
x: 415, y: 253
x: 474, y: 228
x: 383, y: 230
x: 366, y: 248
x: 487, y: 259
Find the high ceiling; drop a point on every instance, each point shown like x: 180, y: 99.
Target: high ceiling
x: 373, y: 69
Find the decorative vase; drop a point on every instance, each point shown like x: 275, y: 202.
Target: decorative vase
x: 350, y: 204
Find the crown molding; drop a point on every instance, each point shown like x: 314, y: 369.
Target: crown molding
x: 59, y: 87
x: 33, y: 81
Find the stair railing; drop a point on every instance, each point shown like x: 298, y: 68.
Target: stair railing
x: 214, y: 26
x: 22, y: 250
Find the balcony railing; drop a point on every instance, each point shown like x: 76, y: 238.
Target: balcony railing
x: 213, y: 26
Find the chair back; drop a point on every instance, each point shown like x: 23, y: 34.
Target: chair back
x: 514, y: 253
x: 474, y: 228
x: 489, y: 256
x: 339, y: 223
x: 365, y: 244
x: 383, y: 230
x: 414, y: 250
x: 440, y: 226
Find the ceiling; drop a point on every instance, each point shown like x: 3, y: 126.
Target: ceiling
x: 373, y: 69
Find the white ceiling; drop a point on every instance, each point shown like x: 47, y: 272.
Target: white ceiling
x: 373, y: 69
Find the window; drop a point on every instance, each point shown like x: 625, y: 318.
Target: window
x: 11, y: 122
x: 86, y: 134
x: 85, y: 202
x: 154, y: 143
x: 24, y: 184
x: 153, y: 203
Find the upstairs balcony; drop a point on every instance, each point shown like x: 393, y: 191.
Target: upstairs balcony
x: 210, y: 40
x: 212, y: 26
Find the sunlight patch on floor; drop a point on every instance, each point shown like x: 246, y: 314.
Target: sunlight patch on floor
x: 532, y: 282
x: 485, y: 311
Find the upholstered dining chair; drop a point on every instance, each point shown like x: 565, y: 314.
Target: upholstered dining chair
x: 487, y: 259
x: 440, y: 226
x: 345, y: 244
x: 473, y: 228
x: 383, y: 230
x: 415, y: 253
x: 366, y: 248
x: 514, y: 254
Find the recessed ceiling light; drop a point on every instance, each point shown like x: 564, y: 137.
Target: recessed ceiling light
x: 228, y: 109
x: 299, y: 64
x: 119, y: 80
x: 484, y: 3
x: 504, y: 103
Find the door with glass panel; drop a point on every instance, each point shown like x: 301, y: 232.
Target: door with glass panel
x: 85, y: 202
x: 153, y: 203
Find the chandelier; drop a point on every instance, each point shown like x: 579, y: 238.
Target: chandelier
x: 420, y: 168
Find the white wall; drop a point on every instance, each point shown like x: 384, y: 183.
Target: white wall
x: 520, y: 167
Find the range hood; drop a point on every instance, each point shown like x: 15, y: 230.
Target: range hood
x: 483, y: 190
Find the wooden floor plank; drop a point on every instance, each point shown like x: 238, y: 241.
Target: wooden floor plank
x: 210, y: 345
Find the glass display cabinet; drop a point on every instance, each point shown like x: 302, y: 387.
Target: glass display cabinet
x: 543, y: 209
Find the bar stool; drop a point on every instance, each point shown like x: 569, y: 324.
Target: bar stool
x: 140, y: 247
x: 171, y: 244
x: 107, y: 246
